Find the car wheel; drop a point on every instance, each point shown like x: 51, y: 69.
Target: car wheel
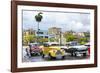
x: 84, y: 54
x: 31, y: 54
x: 50, y: 57
x: 72, y: 54
x: 63, y: 57
x: 43, y: 55
x: 75, y: 54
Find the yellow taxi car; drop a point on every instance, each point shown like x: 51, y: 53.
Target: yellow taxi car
x: 52, y: 50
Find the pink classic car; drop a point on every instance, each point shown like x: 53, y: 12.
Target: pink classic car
x: 34, y: 48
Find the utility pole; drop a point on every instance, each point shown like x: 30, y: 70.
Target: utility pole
x: 38, y: 18
x: 38, y: 33
x: 60, y: 39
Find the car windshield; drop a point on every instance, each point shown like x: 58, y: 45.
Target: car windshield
x: 35, y: 44
x: 54, y: 44
x: 45, y: 44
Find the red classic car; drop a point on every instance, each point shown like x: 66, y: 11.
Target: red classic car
x: 88, y: 46
x: 34, y: 48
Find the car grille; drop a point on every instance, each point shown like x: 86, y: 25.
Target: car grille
x: 58, y: 52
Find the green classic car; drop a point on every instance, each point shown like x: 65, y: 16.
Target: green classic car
x: 52, y: 50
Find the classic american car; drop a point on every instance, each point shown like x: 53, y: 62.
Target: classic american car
x: 78, y: 50
x: 52, y: 50
x: 88, y: 46
x: 34, y: 48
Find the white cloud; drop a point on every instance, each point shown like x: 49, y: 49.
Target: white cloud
x: 66, y: 21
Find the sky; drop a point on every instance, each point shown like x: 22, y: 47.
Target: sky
x: 78, y: 22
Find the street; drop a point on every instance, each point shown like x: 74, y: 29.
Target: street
x: 38, y: 58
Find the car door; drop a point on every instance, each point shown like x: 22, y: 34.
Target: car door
x: 46, y: 49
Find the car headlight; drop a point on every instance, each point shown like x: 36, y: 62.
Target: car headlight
x: 62, y: 50
x: 54, y: 51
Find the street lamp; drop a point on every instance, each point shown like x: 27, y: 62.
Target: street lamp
x: 60, y: 38
x: 38, y: 18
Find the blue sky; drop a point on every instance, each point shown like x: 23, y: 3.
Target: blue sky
x: 79, y: 22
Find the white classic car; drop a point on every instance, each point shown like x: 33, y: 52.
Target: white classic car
x: 78, y: 50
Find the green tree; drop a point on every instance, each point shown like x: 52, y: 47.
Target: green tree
x: 70, y: 37
x: 28, y: 39
x: 82, y: 40
x: 39, y: 17
x: 42, y: 40
x: 87, y: 34
x: 52, y: 39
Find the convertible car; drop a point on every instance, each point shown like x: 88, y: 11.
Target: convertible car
x: 78, y: 50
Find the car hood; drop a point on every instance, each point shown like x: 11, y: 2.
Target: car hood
x: 55, y: 47
x: 80, y: 47
x: 64, y: 47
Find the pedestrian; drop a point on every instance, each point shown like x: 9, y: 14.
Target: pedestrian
x: 28, y: 52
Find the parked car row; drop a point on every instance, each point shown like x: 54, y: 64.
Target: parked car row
x: 53, y: 50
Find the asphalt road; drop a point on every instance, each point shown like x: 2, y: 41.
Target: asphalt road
x: 39, y: 58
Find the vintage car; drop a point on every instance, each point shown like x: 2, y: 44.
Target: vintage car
x: 78, y: 50
x: 52, y: 50
x: 88, y: 46
x: 34, y: 49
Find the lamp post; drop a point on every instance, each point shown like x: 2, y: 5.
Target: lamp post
x: 60, y: 39
x: 38, y: 18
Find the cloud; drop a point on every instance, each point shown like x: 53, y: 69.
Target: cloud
x: 78, y: 26
x: 66, y: 21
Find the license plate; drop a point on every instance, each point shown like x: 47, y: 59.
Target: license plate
x: 59, y: 55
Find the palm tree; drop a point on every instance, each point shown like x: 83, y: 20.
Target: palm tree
x: 38, y: 18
